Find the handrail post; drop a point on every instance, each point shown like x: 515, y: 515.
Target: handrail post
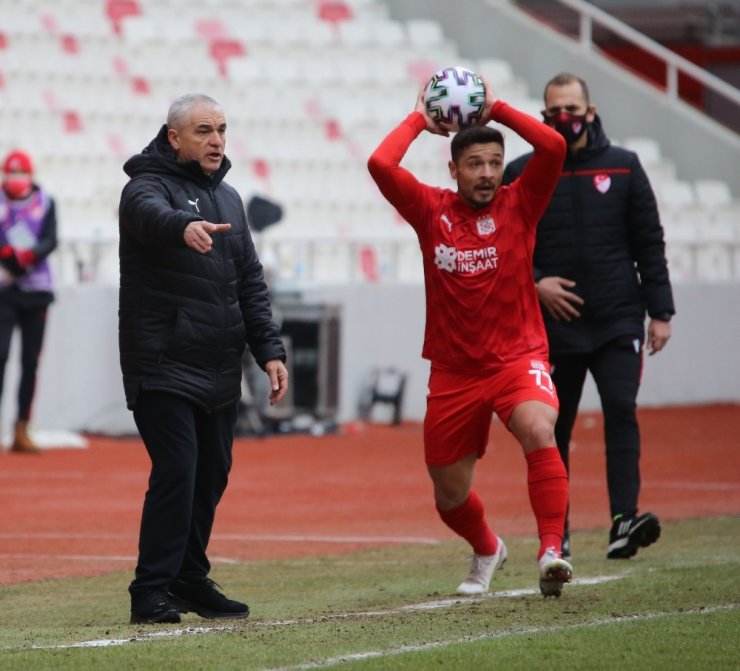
x: 671, y: 80
x: 586, y: 27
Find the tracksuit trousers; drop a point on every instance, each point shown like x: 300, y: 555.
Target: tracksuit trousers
x: 617, y: 369
x: 190, y: 451
x: 32, y: 325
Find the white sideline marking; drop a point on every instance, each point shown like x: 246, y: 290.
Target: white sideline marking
x: 426, y: 605
x: 402, y: 650
x: 107, y: 642
x: 46, y: 557
x: 295, y: 538
x: 433, y: 605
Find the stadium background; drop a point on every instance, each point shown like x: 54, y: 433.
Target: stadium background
x: 309, y: 88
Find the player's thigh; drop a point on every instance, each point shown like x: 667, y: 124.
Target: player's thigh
x: 457, y: 419
x: 523, y: 381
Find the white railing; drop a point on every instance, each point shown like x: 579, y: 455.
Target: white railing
x: 675, y: 64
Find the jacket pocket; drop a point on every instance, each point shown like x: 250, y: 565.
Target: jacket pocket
x: 192, y: 342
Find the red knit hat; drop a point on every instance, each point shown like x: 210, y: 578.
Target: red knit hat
x: 17, y: 161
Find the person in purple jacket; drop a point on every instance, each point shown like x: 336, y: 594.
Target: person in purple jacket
x: 28, y: 234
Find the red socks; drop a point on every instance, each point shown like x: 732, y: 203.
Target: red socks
x: 468, y: 520
x: 548, y: 494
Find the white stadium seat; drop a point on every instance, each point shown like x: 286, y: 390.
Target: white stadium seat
x: 675, y: 193
x: 647, y: 149
x: 337, y: 76
x: 713, y: 192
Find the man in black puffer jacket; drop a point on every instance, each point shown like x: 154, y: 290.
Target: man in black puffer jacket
x: 599, y: 265
x: 192, y: 296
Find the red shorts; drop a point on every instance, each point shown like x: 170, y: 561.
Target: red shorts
x: 460, y: 406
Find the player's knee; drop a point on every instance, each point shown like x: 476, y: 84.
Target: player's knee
x: 536, y: 433
x: 449, y: 495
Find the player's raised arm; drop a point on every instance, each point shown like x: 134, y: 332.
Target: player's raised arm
x: 543, y: 170
x: 399, y: 186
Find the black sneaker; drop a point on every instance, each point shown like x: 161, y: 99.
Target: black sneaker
x: 565, y: 547
x: 204, y: 598
x: 152, y: 607
x: 628, y: 534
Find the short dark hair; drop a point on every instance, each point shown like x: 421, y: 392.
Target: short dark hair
x: 565, y: 78
x: 474, y: 135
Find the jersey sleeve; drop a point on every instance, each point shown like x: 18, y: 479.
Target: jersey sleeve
x: 541, y: 174
x: 399, y: 186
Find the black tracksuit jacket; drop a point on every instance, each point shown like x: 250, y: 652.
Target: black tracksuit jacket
x: 185, y: 317
x: 602, y: 230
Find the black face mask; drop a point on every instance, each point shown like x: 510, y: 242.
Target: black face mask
x: 570, y: 126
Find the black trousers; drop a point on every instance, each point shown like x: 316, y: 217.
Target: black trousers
x: 32, y: 325
x: 190, y: 451
x: 617, y: 369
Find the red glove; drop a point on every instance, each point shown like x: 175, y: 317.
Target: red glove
x: 25, y: 257
x: 6, y: 252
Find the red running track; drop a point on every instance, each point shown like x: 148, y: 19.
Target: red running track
x: 76, y: 512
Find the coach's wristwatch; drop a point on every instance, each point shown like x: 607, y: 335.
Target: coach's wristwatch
x: 663, y: 316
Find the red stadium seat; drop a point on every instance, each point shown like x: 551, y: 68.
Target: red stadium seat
x: 117, y: 10
x: 333, y: 12
x: 223, y: 49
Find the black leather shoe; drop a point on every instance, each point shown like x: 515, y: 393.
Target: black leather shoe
x: 205, y: 599
x: 152, y: 607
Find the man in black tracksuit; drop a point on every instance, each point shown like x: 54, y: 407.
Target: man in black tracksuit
x: 192, y: 295
x: 599, y: 265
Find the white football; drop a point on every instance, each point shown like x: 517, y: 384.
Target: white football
x: 455, y: 96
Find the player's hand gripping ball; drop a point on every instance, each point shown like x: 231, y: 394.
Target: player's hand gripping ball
x: 455, y: 97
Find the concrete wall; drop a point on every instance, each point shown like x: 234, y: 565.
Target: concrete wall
x: 701, y: 148
x: 383, y: 326
x: 80, y: 384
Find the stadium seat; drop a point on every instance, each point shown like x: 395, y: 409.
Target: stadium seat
x: 495, y: 70
x: 425, y: 33
x: 681, y: 262
x: 727, y: 218
x: 660, y: 171
x: 714, y: 263
x: 712, y: 192
x: 498, y: 73
x: 717, y: 229
x: 683, y: 224
x: 339, y: 74
x: 334, y: 11
x: 389, y: 35
x: 647, y: 149
x: 118, y: 10
x: 675, y: 193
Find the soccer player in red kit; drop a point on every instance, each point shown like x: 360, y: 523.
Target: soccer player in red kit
x: 484, y: 335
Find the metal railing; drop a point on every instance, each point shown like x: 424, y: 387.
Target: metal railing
x: 675, y: 64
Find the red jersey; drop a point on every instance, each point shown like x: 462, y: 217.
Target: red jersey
x: 481, y: 303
